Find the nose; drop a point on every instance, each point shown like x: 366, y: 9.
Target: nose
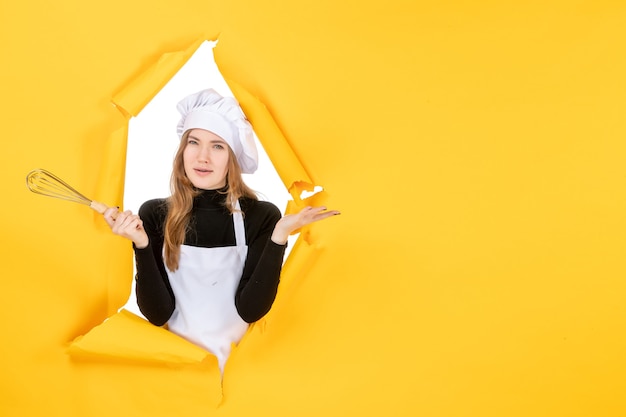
x: 204, y: 154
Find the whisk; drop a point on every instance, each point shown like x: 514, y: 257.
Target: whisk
x: 44, y: 182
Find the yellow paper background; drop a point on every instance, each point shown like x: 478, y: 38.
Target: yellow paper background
x: 476, y: 153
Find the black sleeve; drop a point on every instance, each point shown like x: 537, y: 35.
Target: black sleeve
x: 155, y: 297
x: 261, y: 274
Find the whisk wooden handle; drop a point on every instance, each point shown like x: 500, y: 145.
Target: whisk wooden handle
x: 101, y: 208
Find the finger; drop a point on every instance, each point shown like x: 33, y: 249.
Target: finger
x: 120, y: 221
x: 317, y: 211
x: 110, y: 214
x: 129, y: 227
x: 129, y: 222
x: 326, y: 214
x: 317, y: 215
x: 132, y: 222
x: 310, y: 211
x: 109, y: 211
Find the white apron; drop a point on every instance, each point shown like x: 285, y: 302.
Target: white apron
x: 204, y: 286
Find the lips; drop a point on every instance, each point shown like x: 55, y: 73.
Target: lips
x: 202, y: 171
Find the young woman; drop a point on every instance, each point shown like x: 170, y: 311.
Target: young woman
x: 209, y: 257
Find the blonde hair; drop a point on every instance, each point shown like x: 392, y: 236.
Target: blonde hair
x: 180, y: 202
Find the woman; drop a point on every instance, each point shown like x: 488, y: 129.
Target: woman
x: 209, y: 257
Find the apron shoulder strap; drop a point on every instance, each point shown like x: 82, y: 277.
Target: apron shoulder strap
x: 240, y: 230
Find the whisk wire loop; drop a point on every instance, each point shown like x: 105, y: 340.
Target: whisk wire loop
x: 46, y: 183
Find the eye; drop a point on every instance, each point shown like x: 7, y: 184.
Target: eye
x: 192, y: 142
x: 218, y: 146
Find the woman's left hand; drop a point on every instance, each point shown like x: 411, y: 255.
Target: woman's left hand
x: 292, y: 222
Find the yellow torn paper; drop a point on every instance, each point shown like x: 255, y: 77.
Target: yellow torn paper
x: 127, y: 337
x: 142, y: 89
x: 475, y: 149
x: 287, y: 164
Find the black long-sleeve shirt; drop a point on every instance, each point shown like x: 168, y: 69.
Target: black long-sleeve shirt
x: 212, y: 226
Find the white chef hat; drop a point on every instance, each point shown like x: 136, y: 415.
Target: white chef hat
x: 210, y: 111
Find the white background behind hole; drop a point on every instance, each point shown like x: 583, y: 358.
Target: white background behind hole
x: 152, y: 143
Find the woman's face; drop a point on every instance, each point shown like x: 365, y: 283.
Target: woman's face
x: 205, y: 159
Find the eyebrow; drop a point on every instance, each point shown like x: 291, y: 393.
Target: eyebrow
x: 211, y: 141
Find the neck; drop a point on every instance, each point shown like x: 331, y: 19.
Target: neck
x: 210, y: 198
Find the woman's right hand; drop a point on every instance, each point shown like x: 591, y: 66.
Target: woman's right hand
x: 128, y: 225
